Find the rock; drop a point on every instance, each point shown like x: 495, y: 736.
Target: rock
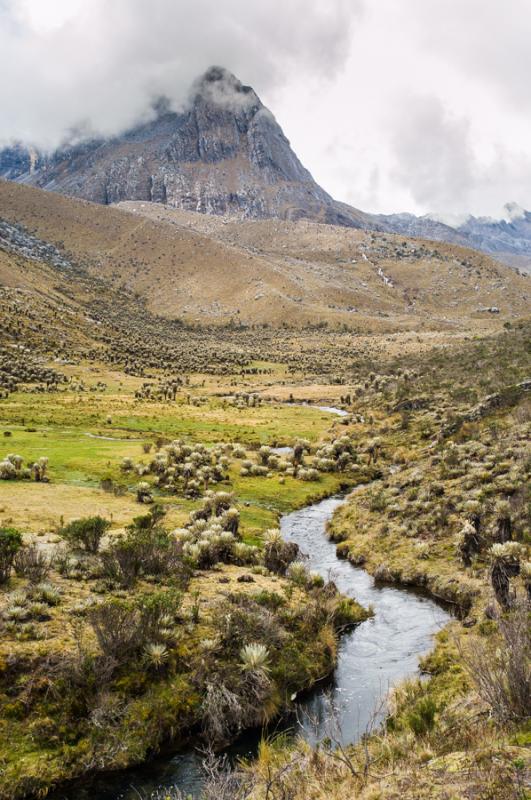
x: 15, y: 239
x: 223, y: 154
x: 412, y: 404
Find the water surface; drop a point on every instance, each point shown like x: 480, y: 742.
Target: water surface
x: 372, y: 658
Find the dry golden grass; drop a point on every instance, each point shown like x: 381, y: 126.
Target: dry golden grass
x: 271, y: 271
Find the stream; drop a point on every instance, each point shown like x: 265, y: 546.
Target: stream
x: 372, y: 658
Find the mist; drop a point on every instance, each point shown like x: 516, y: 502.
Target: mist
x: 393, y: 105
x: 96, y: 65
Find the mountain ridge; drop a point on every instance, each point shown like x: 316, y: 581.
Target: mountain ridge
x: 225, y: 154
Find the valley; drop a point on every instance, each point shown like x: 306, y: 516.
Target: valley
x: 170, y: 438
x: 254, y: 447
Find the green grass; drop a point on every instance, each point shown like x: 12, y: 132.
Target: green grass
x: 56, y: 426
x: 263, y: 500
x: 74, y: 458
x: 211, y: 422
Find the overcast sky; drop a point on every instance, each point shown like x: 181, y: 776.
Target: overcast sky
x: 393, y: 105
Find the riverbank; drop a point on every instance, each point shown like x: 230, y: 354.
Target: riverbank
x: 450, y: 516
x: 371, y: 658
x: 238, y: 636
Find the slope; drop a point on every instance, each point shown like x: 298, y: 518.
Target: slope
x: 207, y: 270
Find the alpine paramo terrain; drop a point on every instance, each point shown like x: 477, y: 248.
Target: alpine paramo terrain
x: 264, y: 480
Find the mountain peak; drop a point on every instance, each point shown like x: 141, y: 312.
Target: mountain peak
x: 514, y: 211
x: 218, y: 86
x: 224, y: 153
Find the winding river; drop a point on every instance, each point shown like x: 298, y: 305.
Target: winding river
x: 372, y: 657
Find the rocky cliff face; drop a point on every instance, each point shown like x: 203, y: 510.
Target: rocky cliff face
x: 225, y: 154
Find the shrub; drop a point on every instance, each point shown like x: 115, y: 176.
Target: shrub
x: 501, y: 670
x: 271, y: 600
x: 156, y: 654
x: 125, y: 627
x: 7, y: 471
x: 144, y: 550
x: 10, y: 544
x: 254, y: 657
x: 421, y: 718
x: 505, y: 565
x: 46, y: 593
x: 222, y: 711
x: 150, y: 520
x: 30, y: 562
x: 87, y: 532
x: 143, y: 493
x: 299, y: 575
x: 122, y: 562
x: 278, y: 554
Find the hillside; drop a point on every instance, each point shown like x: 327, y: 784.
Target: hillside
x: 363, y: 278
x: 206, y: 270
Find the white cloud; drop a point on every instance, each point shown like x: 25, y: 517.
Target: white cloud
x: 434, y: 100
x: 414, y: 105
x: 101, y: 60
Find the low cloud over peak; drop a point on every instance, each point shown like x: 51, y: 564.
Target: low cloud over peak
x: 394, y: 105
x: 100, y: 62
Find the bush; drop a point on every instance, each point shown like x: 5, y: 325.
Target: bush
x: 421, y: 718
x: 30, y: 562
x: 46, y: 593
x: 87, y: 532
x: 222, y: 712
x: 278, y: 554
x: 124, y: 627
x: 501, y: 670
x: 271, y: 600
x: 144, y: 550
x: 10, y: 544
x: 143, y: 493
x: 150, y: 520
x: 122, y: 562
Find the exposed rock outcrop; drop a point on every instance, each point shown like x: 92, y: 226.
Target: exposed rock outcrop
x: 224, y: 154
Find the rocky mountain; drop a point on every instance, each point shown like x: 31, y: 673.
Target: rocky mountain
x: 224, y: 154
x: 507, y: 239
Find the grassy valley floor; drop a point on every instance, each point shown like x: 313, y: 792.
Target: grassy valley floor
x: 190, y: 616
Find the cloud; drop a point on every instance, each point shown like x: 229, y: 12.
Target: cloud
x: 434, y: 156
x: 97, y: 63
x: 434, y: 100
x: 488, y: 40
x: 393, y: 105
